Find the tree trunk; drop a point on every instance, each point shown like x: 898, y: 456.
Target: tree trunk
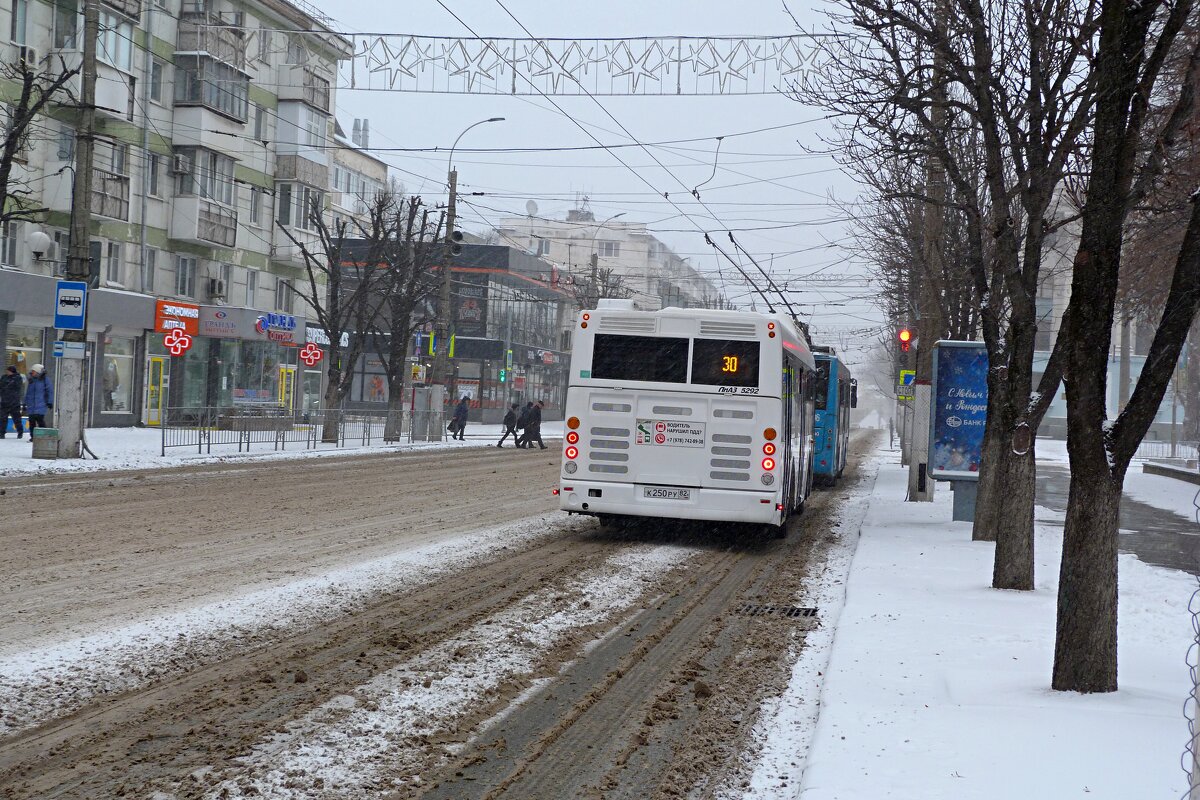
x: 1085, y: 646
x: 1191, y: 385
x: 333, y: 408
x: 393, y: 429
x: 989, y: 502
x: 1013, y: 566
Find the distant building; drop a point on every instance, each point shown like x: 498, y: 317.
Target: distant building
x: 654, y: 275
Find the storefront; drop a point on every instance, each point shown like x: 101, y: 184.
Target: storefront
x: 238, y: 358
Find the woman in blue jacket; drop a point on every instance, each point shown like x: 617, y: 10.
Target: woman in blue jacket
x: 39, y: 397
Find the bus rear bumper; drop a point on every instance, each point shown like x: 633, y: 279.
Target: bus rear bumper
x: 628, y: 499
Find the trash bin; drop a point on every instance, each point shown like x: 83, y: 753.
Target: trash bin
x: 45, y: 442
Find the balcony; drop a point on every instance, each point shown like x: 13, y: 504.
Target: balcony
x: 130, y: 8
x: 110, y: 195
x: 301, y: 170
x: 195, y: 219
x: 203, y: 32
x: 301, y: 83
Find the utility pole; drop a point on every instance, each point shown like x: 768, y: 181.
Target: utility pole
x: 71, y: 372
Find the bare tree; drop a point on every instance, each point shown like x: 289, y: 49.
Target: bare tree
x: 35, y: 91
x: 342, y: 287
x: 913, y: 79
x: 597, y: 284
x: 1129, y: 154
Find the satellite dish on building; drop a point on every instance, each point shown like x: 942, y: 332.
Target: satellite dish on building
x: 531, y: 208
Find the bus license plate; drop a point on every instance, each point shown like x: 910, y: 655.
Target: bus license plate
x: 661, y: 493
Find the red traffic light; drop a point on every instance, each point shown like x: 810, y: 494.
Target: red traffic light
x: 905, y: 335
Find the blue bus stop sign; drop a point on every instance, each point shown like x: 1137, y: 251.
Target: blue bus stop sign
x: 70, y: 305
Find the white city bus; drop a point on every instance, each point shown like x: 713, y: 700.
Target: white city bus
x: 688, y: 414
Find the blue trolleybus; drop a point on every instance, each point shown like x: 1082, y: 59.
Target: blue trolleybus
x: 836, y: 392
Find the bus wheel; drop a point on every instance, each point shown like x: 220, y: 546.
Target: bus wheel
x: 776, y: 531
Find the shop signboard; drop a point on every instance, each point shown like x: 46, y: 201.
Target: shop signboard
x: 469, y: 305
x: 170, y: 315
x: 253, y: 397
x: 960, y: 396
x: 226, y: 322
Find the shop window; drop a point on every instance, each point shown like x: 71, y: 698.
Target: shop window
x: 116, y: 380
x: 23, y: 348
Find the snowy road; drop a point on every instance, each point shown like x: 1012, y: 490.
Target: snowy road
x: 421, y: 624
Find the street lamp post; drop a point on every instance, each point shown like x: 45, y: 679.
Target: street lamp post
x: 441, y: 357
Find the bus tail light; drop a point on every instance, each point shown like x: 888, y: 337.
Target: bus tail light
x: 572, y: 437
x: 768, y: 464
x: 769, y: 434
x: 779, y: 506
x: 573, y: 423
x: 554, y: 492
x: 572, y: 452
x: 768, y: 449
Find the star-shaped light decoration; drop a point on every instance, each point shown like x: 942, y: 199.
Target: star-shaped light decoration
x: 644, y: 66
x: 382, y: 57
x: 731, y: 65
x: 793, y: 59
x: 461, y: 62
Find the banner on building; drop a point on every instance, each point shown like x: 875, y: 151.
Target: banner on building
x: 469, y: 304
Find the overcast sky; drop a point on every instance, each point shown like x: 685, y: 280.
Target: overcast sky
x: 762, y: 180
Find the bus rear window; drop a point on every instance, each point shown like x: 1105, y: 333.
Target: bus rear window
x: 822, y: 384
x: 640, y: 358
x: 725, y: 362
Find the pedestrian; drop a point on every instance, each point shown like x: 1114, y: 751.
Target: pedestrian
x: 523, y: 425
x: 11, y: 389
x: 510, y: 425
x: 39, y: 398
x: 533, y: 430
x: 460, y: 418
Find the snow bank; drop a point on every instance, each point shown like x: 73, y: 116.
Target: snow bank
x: 938, y: 686
x: 1169, y: 494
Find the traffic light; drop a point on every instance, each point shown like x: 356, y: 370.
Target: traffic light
x: 503, y: 375
x: 905, y: 336
x: 456, y: 240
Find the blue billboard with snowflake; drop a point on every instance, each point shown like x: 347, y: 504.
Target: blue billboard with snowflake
x: 960, y: 396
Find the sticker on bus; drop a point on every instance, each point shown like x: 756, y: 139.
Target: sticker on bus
x: 669, y: 433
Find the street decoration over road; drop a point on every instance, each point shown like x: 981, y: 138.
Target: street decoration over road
x: 663, y: 65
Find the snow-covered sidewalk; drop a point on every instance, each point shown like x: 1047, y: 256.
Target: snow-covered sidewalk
x: 141, y: 448
x: 937, y: 686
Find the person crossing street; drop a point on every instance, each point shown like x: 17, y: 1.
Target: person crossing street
x: 510, y: 425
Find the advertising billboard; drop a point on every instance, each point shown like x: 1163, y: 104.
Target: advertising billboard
x: 959, y: 409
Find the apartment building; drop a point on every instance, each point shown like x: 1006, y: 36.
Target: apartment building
x: 654, y: 274
x: 214, y: 121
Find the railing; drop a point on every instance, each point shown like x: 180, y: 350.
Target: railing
x: 1162, y: 449
x: 217, y: 224
x: 110, y: 194
x: 316, y: 91
x: 203, y: 32
x: 223, y: 430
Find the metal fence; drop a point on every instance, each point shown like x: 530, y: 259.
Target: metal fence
x: 206, y: 429
x: 1161, y: 449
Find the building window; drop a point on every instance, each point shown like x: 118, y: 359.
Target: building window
x: 255, y: 205
x: 284, y: 295
x: 116, y: 383
x: 115, y: 45
x: 204, y: 173
x: 225, y: 273
x: 543, y: 247
x: 260, y: 123
x: 157, y: 71
x: 154, y: 165
x: 185, y: 276
x: 315, y: 128
x: 66, y: 24
x: 297, y: 52
x: 148, y: 266
x: 251, y: 286
x: 112, y: 263
x: 296, y: 204
x: 264, y: 45
x: 202, y: 80
x: 17, y: 31
x: 9, y: 239
x: 609, y: 249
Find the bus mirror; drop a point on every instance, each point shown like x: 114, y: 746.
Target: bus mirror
x: 853, y: 393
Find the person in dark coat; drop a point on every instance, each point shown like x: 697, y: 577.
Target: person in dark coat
x: 523, y: 425
x: 11, y: 389
x: 533, y: 430
x: 510, y: 425
x: 39, y: 397
x: 460, y: 417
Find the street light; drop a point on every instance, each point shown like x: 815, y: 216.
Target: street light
x: 599, y: 228
x: 441, y: 358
